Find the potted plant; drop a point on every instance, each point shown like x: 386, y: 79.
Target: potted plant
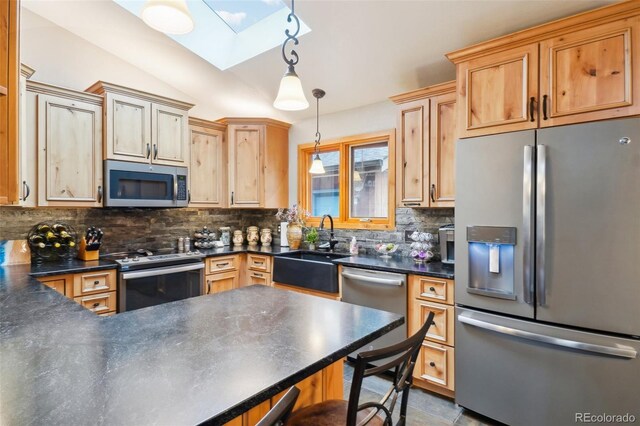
x: 296, y: 217
x: 312, y: 238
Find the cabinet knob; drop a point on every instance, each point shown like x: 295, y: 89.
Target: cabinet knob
x: 96, y: 282
x: 432, y: 289
x: 432, y: 364
x: 96, y: 304
x: 208, y: 287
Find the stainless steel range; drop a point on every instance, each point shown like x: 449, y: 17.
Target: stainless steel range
x: 147, y: 280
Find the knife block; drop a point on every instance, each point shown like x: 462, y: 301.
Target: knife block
x: 85, y: 254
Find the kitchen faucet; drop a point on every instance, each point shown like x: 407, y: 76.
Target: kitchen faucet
x: 332, y: 241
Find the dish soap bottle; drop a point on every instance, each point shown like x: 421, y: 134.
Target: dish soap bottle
x: 353, y: 246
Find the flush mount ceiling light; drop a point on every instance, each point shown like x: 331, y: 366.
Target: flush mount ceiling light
x: 290, y: 95
x: 168, y: 16
x: 317, y: 168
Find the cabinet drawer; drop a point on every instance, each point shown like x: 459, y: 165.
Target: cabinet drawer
x: 63, y: 284
x: 434, y: 289
x: 435, y: 364
x: 441, y: 331
x: 255, y: 277
x: 94, y: 282
x: 98, y: 303
x: 259, y: 263
x: 221, y: 282
x: 222, y: 264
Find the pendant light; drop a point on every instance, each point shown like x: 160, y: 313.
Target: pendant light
x: 290, y: 94
x: 317, y: 168
x: 168, y: 16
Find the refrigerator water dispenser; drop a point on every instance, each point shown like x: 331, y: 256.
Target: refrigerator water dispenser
x: 491, y: 268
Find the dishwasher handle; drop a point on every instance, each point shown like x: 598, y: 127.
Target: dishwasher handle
x: 373, y: 280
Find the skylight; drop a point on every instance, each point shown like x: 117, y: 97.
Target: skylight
x: 240, y: 15
x: 229, y: 32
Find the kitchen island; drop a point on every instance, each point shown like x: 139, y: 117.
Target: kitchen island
x: 204, y: 359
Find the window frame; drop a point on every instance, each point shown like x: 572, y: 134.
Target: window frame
x: 343, y: 146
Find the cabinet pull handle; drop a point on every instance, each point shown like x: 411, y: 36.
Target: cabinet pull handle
x: 544, y: 107
x: 155, y: 151
x: 411, y: 204
x: 258, y: 262
x: 532, y: 102
x: 255, y: 274
x: 432, y: 192
x: 100, y: 193
x: 25, y: 190
x: 432, y: 364
x: 231, y: 197
x: 96, y: 282
x: 208, y: 287
x: 220, y: 265
x: 148, y: 150
x: 188, y: 196
x: 96, y: 304
x: 432, y: 289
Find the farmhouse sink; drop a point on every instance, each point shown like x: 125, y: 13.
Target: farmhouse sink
x: 307, y: 269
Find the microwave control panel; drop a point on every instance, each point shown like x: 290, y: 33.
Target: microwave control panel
x: 182, y: 188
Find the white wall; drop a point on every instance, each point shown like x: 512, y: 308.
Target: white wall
x: 370, y: 118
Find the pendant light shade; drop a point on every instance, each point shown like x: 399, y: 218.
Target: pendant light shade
x: 317, y: 168
x: 290, y: 95
x: 168, y: 16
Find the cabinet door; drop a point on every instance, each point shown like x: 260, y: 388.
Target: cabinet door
x: 28, y: 146
x: 412, y: 163
x: 261, y: 278
x: 587, y: 75
x: 69, y: 152
x: 442, y: 143
x: 63, y: 284
x: 128, y: 128
x: 208, y: 167
x: 245, y: 165
x: 220, y: 282
x: 436, y: 365
x: 495, y: 92
x: 169, y: 135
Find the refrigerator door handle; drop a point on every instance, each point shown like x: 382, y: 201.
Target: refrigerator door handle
x: 541, y: 196
x: 527, y: 225
x: 617, y: 351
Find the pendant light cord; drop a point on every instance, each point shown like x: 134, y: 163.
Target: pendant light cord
x: 318, y: 136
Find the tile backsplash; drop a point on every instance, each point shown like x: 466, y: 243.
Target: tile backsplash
x: 128, y: 229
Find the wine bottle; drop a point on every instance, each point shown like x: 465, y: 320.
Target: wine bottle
x: 59, y: 228
x: 51, y: 236
x: 37, y: 241
x: 43, y: 229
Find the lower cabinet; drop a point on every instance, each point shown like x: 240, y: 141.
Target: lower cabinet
x: 332, y: 296
x: 222, y: 273
x: 435, y: 367
x: 322, y: 386
x: 96, y: 291
x: 258, y: 269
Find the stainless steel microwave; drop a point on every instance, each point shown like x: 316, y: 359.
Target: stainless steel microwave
x: 145, y: 185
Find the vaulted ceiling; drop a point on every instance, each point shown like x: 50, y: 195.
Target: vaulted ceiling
x: 359, y: 51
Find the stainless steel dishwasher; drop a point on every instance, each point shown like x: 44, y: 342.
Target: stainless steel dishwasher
x: 380, y: 290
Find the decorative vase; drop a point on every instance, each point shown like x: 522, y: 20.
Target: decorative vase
x: 252, y: 235
x: 265, y: 237
x: 238, y: 239
x: 225, y: 235
x: 294, y: 235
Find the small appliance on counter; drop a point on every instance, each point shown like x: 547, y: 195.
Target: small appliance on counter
x: 90, y: 244
x: 447, y: 243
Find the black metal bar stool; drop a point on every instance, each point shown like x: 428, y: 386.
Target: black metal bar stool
x: 281, y: 411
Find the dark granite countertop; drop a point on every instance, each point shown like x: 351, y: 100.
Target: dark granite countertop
x: 399, y: 264
x: 69, y: 267
x: 205, y: 358
x: 270, y: 250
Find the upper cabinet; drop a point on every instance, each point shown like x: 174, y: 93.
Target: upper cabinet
x: 258, y: 162
x: 426, y: 134
x: 9, y: 100
x: 142, y: 127
x: 66, y: 127
x: 208, y: 165
x: 573, y: 70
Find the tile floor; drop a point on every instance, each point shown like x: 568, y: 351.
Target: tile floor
x: 424, y: 408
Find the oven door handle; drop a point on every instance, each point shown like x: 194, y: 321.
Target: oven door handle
x: 161, y: 271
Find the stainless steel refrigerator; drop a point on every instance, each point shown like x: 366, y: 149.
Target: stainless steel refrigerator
x: 548, y: 273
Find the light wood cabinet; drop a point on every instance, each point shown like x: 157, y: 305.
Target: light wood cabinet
x: 434, y: 369
x: 572, y: 70
x: 208, y: 164
x: 95, y: 290
x: 69, y: 146
x: 258, y: 162
x: 222, y: 273
x: 9, y: 100
x: 427, y: 132
x: 331, y: 296
x: 142, y: 127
